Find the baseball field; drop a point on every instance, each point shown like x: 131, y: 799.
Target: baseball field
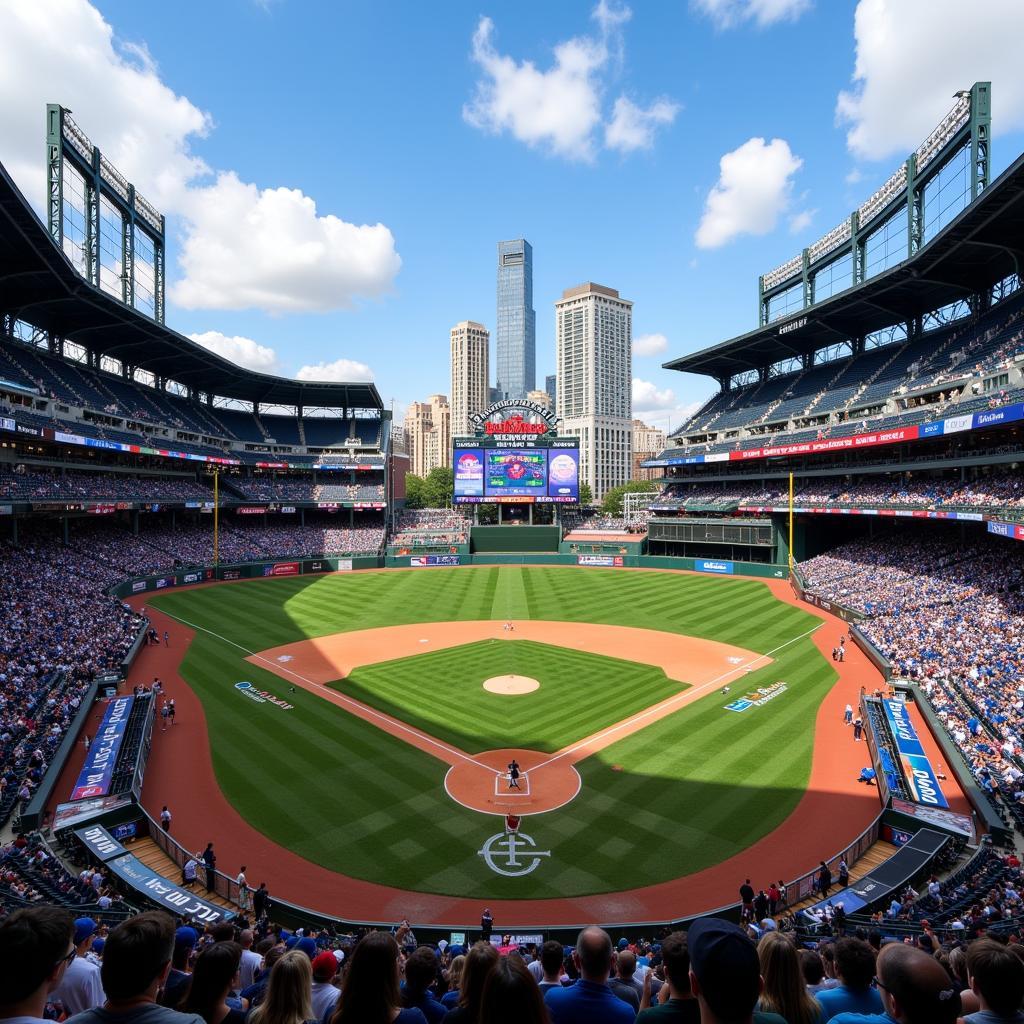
x: 349, y: 721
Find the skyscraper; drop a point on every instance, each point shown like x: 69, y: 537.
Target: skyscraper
x: 593, y: 338
x: 428, y: 431
x: 516, y: 329
x: 470, y: 393
x: 551, y: 387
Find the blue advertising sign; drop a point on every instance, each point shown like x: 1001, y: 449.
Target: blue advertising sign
x: 98, y: 770
x: 916, y: 768
x: 991, y: 417
x: 100, y: 843
x: 711, y: 565
x: 161, y: 890
x: 421, y: 561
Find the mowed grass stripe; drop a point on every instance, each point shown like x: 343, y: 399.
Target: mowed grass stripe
x: 679, y: 795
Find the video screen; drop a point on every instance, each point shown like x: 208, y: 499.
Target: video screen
x: 516, y: 474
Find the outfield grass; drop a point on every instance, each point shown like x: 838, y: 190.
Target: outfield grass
x: 685, y: 793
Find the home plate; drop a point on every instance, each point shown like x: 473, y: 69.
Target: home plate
x: 511, y: 684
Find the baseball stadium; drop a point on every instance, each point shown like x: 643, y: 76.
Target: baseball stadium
x: 794, y: 660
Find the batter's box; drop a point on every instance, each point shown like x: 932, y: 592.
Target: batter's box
x: 502, y: 780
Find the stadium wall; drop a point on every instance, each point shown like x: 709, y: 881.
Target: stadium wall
x: 486, y: 539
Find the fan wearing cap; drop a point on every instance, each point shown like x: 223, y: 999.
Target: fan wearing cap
x: 81, y: 988
x: 185, y: 939
x: 325, y: 995
x: 915, y: 990
x: 725, y: 974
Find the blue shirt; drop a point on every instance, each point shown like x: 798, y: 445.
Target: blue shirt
x: 844, y: 1000
x: 863, y: 1018
x: 587, y: 1002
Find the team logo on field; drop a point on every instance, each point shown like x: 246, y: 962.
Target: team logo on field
x: 512, y: 854
x: 757, y: 698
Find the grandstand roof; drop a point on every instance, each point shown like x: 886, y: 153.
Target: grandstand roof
x: 982, y: 245
x: 40, y: 285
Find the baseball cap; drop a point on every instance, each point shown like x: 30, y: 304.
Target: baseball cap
x: 339, y: 955
x: 186, y: 936
x: 726, y: 966
x: 84, y: 927
x: 623, y: 944
x: 306, y: 945
x: 325, y: 966
x: 98, y: 943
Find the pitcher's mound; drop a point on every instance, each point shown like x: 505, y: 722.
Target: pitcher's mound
x: 511, y: 684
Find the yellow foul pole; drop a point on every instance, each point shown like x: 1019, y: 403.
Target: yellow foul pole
x: 216, y: 516
x: 791, y: 523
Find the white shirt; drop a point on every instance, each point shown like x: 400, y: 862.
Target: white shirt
x: 248, y: 967
x: 80, y: 988
x: 324, y: 996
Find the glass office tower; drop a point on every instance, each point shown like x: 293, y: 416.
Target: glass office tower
x: 516, y: 334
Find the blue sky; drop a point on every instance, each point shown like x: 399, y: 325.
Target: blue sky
x: 427, y: 121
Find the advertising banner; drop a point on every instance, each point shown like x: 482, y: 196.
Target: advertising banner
x: 935, y: 816
x: 917, y: 770
x: 421, y: 561
x: 281, y: 569
x: 179, y: 901
x: 7, y: 424
x: 101, y: 844
x: 993, y: 417
x: 710, y: 565
x: 98, y: 770
x: 602, y: 561
x: 163, y: 582
x: 469, y: 473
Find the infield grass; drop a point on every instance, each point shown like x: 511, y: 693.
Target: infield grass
x: 682, y: 794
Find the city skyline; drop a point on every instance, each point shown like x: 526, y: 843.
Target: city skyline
x: 515, y: 321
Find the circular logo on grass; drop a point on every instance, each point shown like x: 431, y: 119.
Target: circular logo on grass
x: 512, y: 854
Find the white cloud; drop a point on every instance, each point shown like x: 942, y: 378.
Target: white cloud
x: 912, y: 55
x: 649, y: 344
x: 560, y: 108
x: 148, y: 131
x: 647, y: 396
x: 730, y: 13
x: 854, y: 177
x: 754, y: 188
x: 269, y: 249
x: 801, y: 221
x: 339, y: 370
x: 633, y: 127
x: 241, y: 350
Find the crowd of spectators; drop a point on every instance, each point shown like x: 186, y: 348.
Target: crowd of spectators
x: 951, y: 616
x: 304, y: 488
x: 58, y: 630
x: 428, y: 527
x: 153, y: 969
x: 21, y: 483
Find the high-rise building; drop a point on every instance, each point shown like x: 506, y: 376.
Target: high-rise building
x: 551, y: 388
x: 428, y: 432
x: 541, y: 398
x: 470, y: 391
x: 516, y: 327
x: 648, y: 442
x: 593, y: 338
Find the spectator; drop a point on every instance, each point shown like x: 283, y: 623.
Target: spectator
x: 36, y: 948
x: 176, y: 985
x: 480, y: 961
x: 855, y: 967
x: 589, y: 1000
x: 996, y: 977
x: 136, y: 962
x: 325, y: 994
x: 511, y: 996
x: 785, y: 992
x: 370, y: 994
x: 288, y: 995
x: 725, y: 975
x: 214, y: 976
x: 622, y: 983
x: 915, y: 990
x: 680, y: 1007
x: 251, y: 960
x: 81, y: 987
x: 551, y: 954
x: 420, y: 975
x: 454, y: 977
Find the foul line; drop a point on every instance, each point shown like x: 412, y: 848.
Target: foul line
x: 662, y: 706
x: 349, y: 701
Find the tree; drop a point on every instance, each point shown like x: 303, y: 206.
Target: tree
x: 586, y: 494
x: 613, y: 499
x: 439, y: 487
x: 415, y: 488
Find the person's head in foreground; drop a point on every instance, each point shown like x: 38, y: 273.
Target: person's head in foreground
x: 137, y: 959
x: 289, y: 991
x: 593, y: 955
x: 996, y: 976
x: 36, y: 946
x: 725, y: 974
x: 511, y: 996
x: 784, y: 990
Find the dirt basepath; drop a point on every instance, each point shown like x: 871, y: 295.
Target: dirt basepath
x: 832, y: 812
